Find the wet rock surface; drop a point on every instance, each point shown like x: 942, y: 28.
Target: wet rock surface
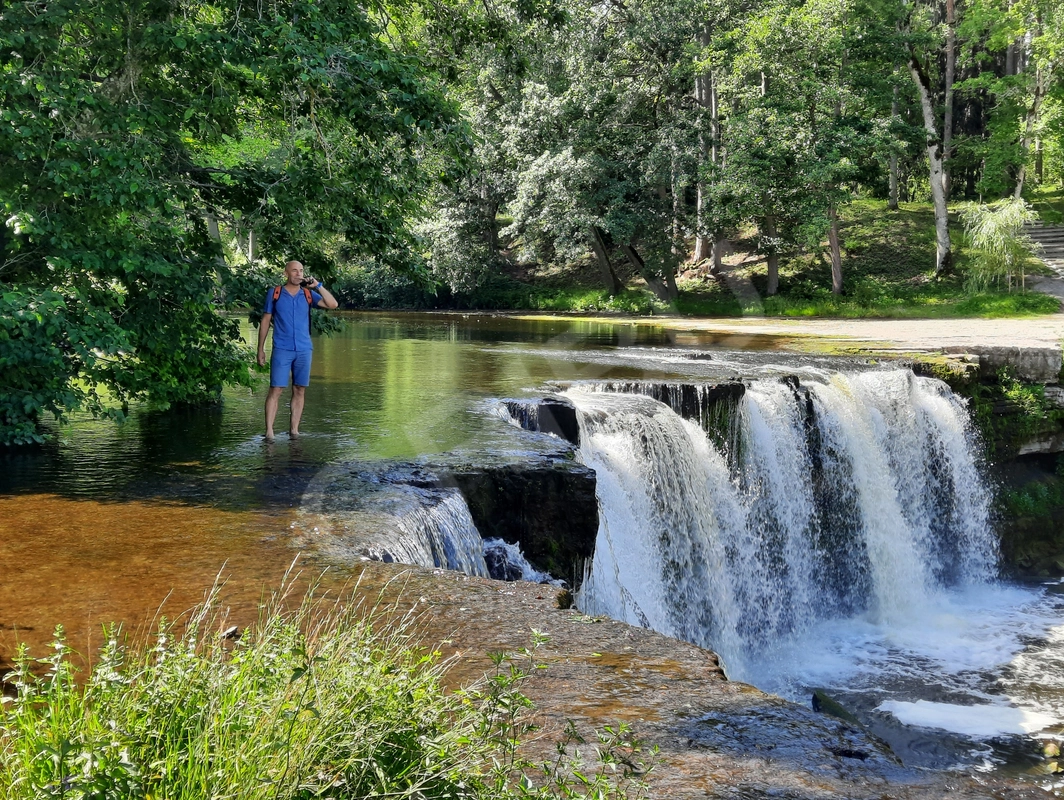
x: 548, y: 508
x: 543, y: 501
x: 716, y: 738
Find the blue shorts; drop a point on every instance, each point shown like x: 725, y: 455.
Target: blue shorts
x: 294, y: 363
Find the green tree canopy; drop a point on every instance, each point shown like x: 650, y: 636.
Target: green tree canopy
x: 129, y: 129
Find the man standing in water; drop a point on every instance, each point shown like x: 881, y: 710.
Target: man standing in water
x: 288, y: 309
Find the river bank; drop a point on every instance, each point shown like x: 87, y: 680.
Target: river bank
x: 148, y: 498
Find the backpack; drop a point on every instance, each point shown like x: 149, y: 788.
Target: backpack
x: 306, y: 294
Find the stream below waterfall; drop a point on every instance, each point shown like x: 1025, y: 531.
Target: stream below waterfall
x: 834, y: 534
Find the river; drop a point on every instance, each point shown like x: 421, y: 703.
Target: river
x: 126, y: 522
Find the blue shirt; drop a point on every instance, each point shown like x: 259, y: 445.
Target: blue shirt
x: 291, y: 319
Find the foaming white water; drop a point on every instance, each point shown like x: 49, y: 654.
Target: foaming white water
x: 839, y: 538
x: 440, y: 535
x: 510, y: 563
x: 664, y: 492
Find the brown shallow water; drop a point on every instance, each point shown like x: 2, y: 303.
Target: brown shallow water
x: 159, y: 558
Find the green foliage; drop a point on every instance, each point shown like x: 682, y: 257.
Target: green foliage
x: 326, y: 701
x: 1009, y: 411
x: 42, y: 351
x: 131, y: 130
x: 1001, y: 247
x: 1048, y: 203
x: 1034, y: 500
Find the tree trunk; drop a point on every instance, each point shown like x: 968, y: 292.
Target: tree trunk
x: 836, y: 251
x: 947, y: 116
x: 216, y: 237
x: 716, y: 252
x: 609, y: 276
x: 943, y: 249
x: 702, y: 98
x: 676, y: 233
x: 1028, y: 133
x: 491, y: 209
x: 665, y: 290
x: 253, y: 249
x: 892, y: 202
x: 706, y: 97
x: 773, y: 257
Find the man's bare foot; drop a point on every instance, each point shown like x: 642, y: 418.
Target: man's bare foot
x: 269, y: 436
x: 293, y: 433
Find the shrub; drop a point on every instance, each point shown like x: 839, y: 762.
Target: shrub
x: 1001, y: 247
x: 324, y: 701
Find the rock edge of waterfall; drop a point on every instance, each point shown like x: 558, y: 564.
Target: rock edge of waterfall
x: 716, y: 738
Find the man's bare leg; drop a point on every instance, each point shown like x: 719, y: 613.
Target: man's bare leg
x: 298, y: 396
x: 273, y: 399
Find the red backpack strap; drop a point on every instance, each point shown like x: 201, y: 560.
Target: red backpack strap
x: 306, y: 294
x: 276, y: 293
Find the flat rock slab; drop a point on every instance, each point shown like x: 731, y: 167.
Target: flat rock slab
x: 716, y: 738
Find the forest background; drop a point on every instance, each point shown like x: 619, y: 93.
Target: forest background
x: 160, y: 159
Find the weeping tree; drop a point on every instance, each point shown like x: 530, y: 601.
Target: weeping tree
x: 1002, y: 249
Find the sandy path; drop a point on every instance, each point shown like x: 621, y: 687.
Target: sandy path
x: 924, y: 335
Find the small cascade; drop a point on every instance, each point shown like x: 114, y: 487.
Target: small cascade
x: 855, y: 494
x: 506, y: 562
x: 440, y: 534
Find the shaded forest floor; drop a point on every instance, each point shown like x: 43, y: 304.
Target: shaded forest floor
x: 888, y: 259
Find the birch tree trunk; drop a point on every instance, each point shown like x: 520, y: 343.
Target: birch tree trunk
x: 943, y: 247
x: 836, y: 251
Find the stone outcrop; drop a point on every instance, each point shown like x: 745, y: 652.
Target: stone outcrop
x: 1033, y: 364
x: 551, y: 415
x: 548, y: 508
x: 716, y: 738
x: 540, y: 499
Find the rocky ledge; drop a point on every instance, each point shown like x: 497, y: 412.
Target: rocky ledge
x: 539, y: 499
x: 716, y: 738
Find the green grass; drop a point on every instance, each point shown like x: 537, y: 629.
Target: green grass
x: 887, y: 261
x: 1049, y: 203
x: 324, y: 701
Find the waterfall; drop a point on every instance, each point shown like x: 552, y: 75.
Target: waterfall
x: 440, y: 534
x: 853, y: 494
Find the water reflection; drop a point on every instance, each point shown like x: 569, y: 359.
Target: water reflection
x: 387, y: 386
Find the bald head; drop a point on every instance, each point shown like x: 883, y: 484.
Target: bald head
x: 293, y: 271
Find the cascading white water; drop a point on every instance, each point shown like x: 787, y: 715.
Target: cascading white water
x: 858, y: 495
x: 440, y: 535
